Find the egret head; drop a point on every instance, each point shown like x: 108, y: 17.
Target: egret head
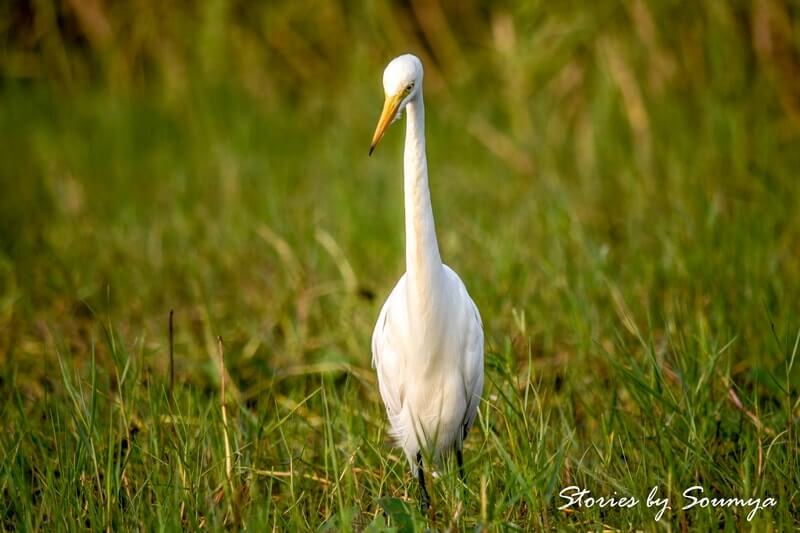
x: 402, y: 82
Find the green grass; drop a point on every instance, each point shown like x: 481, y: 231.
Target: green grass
x: 617, y: 186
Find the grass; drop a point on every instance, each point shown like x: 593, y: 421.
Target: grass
x: 617, y: 186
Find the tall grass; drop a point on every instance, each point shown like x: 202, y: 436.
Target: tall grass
x: 616, y: 183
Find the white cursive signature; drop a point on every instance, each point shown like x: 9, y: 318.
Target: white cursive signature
x: 576, y: 496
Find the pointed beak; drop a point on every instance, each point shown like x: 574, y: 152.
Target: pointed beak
x: 387, y: 115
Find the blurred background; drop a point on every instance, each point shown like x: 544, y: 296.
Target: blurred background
x: 616, y: 183
x: 595, y: 168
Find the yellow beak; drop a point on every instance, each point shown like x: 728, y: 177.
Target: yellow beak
x: 388, y: 113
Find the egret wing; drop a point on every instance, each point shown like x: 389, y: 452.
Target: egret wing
x: 471, y: 362
x: 386, y: 357
x: 473, y: 367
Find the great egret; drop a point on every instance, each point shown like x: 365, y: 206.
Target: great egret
x: 427, y: 347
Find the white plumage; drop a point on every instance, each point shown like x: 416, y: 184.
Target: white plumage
x: 431, y: 384
x: 427, y: 346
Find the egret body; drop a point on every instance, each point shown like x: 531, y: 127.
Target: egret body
x: 427, y: 346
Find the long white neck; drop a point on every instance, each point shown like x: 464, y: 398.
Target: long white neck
x: 423, y: 262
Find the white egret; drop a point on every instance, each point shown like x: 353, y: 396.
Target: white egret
x: 427, y: 347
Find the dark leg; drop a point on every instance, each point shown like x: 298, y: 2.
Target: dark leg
x: 460, y: 461
x: 424, y: 498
